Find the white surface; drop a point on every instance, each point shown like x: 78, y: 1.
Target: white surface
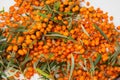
x: 6, y: 4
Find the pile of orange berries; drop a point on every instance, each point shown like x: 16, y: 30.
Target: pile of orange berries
x: 30, y: 24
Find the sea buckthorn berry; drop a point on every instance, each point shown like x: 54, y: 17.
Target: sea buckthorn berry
x: 88, y: 3
x: 111, y: 18
x: 15, y: 48
x: 9, y: 48
x: 20, y: 39
x: 21, y: 52
x: 118, y: 27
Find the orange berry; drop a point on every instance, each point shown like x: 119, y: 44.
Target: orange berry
x: 20, y: 39
x: 76, y: 8
x: 44, y: 25
x: 71, y: 3
x: 8, y: 57
x: 111, y: 18
x: 38, y: 34
x: 24, y: 45
x: 88, y: 3
x: 46, y: 19
x: 9, y: 48
x: 28, y: 41
x: 21, y: 52
x: 118, y: 27
x: 60, y: 79
x: 25, y: 51
x: 30, y: 69
x: 15, y: 48
x: 73, y: 9
x: 82, y: 51
x: 33, y: 37
x: 59, y: 18
x: 47, y: 2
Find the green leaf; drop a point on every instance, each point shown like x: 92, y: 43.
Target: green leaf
x: 43, y: 15
x: 70, y: 23
x: 2, y: 37
x: 92, y: 68
x: 68, y: 67
x: 3, y: 10
x: 3, y: 74
x: 36, y: 7
x: 64, y: 13
x: 97, y: 59
x: 72, y: 67
x: 85, y: 31
x: 43, y: 73
x: 52, y: 64
x: 48, y: 8
x: 57, y: 5
x: 53, y: 34
x: 48, y: 66
x: 84, y: 66
x: 77, y: 17
x: 44, y: 67
x: 70, y: 38
x: 119, y: 61
x: 20, y: 29
x: 113, y: 58
x: 36, y: 63
x: 3, y: 44
x: 50, y: 55
x: 101, y: 32
x: 27, y: 58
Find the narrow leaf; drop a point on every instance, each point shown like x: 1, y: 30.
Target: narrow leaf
x: 36, y: 7
x: 59, y: 36
x: 119, y: 61
x: 85, y: 63
x: 97, y: 59
x: 101, y: 32
x: 85, y: 31
x: 64, y: 13
x: 77, y: 17
x: 70, y: 23
x: 27, y: 58
x: 92, y: 68
x: 68, y: 67
x: 43, y: 73
x: 83, y: 67
x: 20, y: 29
x: 72, y: 67
x: 50, y: 55
x: 114, y: 57
x: 43, y: 15
x: 3, y: 10
x: 57, y: 5
x: 47, y: 7
x: 36, y: 63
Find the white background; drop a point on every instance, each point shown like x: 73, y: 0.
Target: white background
x: 110, y: 6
